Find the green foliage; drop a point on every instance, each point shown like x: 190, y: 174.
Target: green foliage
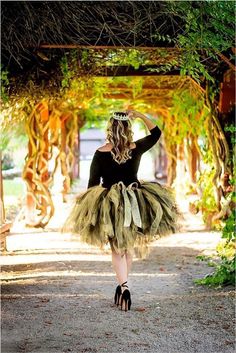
x: 7, y: 162
x: 191, y: 65
x: 67, y: 73
x: 228, y: 231
x: 209, y: 260
x: 223, y: 275
x: 88, y: 95
x: 13, y: 115
x: 207, y: 29
x: 232, y: 129
x: 4, y: 141
x: 164, y: 38
x: 189, y: 115
x: 13, y: 144
x: 169, y: 65
x: 131, y: 57
x: 4, y: 85
x: 225, y: 268
x: 207, y: 202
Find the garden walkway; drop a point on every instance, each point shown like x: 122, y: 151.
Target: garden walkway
x: 61, y: 300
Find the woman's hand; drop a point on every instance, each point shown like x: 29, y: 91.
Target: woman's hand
x: 133, y: 114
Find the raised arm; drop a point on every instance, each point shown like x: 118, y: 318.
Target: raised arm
x: 133, y: 114
x: 146, y: 142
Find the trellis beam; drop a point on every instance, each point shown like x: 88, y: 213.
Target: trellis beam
x: 81, y: 46
x: 130, y: 71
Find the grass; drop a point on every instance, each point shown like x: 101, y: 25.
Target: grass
x: 14, y: 187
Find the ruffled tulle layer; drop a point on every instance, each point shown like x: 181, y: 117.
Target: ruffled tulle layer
x: 128, y: 217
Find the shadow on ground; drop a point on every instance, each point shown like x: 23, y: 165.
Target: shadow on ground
x: 63, y: 302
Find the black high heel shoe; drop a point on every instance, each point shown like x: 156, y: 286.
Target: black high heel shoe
x: 117, y: 295
x: 125, y: 297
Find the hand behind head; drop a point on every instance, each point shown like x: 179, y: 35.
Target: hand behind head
x: 131, y: 114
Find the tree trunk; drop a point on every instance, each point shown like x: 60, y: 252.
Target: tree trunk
x: 64, y: 168
x: 180, y: 168
x: 2, y: 209
x: 75, y: 167
x: 30, y: 200
x: 220, y: 151
x: 171, y: 164
x: 193, y: 158
x: 78, y: 154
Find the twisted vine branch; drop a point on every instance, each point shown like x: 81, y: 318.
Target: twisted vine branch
x: 45, y: 129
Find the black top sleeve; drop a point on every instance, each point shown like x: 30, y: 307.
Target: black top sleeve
x: 95, y: 173
x: 147, y: 142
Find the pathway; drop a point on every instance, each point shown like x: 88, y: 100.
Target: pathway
x: 61, y: 301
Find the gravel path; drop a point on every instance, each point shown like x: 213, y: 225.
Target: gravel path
x: 63, y: 303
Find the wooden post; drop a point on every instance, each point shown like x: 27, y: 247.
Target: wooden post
x: 63, y: 160
x: 2, y: 209
x: 43, y: 165
x: 30, y: 202
x: 75, y: 169
x: 194, y: 161
x: 180, y: 167
x: 227, y: 92
x: 78, y: 154
x: 171, y: 164
x: 4, y: 226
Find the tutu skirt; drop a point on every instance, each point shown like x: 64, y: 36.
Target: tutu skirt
x: 127, y: 217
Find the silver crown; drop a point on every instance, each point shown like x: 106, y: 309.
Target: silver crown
x: 121, y: 117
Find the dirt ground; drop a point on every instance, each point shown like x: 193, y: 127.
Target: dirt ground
x: 61, y: 301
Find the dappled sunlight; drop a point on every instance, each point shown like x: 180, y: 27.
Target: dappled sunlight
x: 45, y: 295
x: 19, y: 259
x: 42, y: 240
x: 27, y: 276
x: 195, y: 241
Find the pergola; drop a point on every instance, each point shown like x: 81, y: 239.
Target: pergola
x: 36, y: 35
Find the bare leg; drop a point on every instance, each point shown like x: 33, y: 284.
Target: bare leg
x: 120, y: 267
x: 129, y: 258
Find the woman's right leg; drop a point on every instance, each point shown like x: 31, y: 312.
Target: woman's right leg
x: 129, y: 259
x: 119, y: 263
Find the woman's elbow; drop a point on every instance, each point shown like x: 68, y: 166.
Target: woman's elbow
x: 158, y: 135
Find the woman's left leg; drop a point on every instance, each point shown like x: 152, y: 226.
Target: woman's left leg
x: 122, y: 266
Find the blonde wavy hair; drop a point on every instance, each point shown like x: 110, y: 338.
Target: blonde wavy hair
x: 120, y: 135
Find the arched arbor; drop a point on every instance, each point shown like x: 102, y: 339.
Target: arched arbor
x: 180, y: 104
x: 54, y: 50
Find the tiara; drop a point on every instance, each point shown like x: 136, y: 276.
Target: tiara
x: 120, y: 116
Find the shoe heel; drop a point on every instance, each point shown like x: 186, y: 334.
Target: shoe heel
x: 117, y: 295
x: 126, y: 300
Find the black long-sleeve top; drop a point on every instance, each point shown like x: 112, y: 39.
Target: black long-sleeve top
x: 104, y: 166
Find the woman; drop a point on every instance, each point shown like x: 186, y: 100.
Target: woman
x: 117, y: 207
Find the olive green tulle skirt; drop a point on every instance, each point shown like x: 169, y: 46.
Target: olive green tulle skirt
x: 127, y: 217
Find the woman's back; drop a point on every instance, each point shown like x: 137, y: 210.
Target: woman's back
x: 104, y: 165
